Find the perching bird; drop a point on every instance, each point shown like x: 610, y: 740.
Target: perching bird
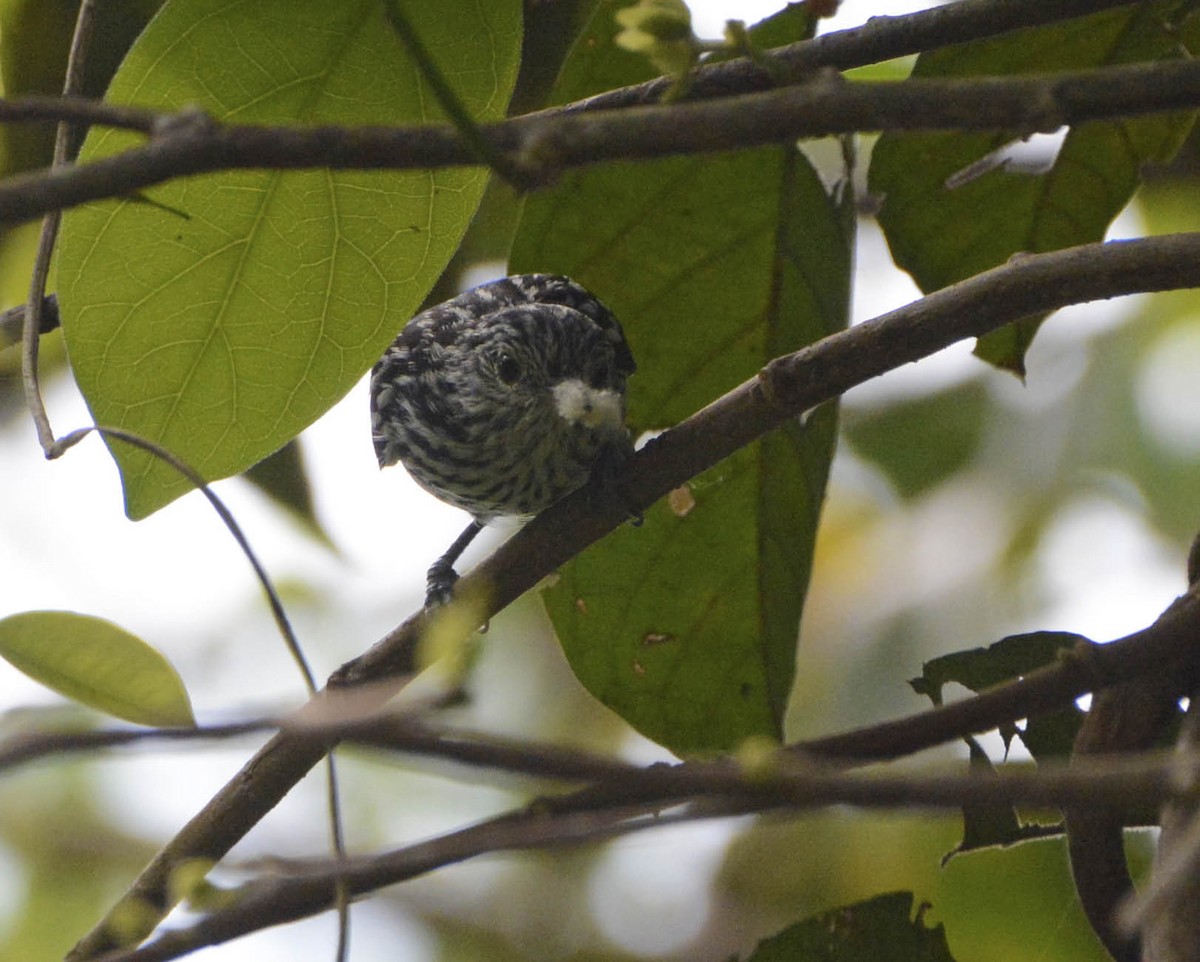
x: 503, y: 400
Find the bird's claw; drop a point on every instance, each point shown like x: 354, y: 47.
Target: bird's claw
x: 439, y: 585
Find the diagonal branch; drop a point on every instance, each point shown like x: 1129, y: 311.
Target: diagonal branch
x: 784, y: 388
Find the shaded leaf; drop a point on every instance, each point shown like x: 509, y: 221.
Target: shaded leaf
x: 283, y: 478
x: 687, y: 625
x: 1008, y: 659
x: 881, y: 929
x: 232, y: 311
x: 942, y: 234
x: 921, y: 442
x: 989, y: 824
x: 97, y: 664
x: 35, y: 37
x: 794, y: 22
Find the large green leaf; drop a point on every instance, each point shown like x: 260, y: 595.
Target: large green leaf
x: 232, y: 310
x: 97, y: 664
x: 942, y: 233
x: 687, y: 625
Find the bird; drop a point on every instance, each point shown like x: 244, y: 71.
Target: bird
x: 502, y: 401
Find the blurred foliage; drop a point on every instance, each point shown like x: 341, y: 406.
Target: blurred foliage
x: 61, y: 857
x: 282, y: 478
x: 920, y: 442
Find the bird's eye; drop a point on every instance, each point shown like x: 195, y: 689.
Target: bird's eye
x: 508, y: 369
x: 600, y: 376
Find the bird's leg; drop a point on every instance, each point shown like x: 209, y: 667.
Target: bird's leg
x: 439, y: 582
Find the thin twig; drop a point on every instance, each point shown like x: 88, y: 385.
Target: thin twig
x: 38, y: 108
x: 879, y: 39
x: 32, y: 746
x: 63, y: 138
x: 282, y: 622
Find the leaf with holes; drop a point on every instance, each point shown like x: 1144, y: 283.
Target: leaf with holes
x: 882, y: 929
x: 219, y: 315
x: 1046, y: 736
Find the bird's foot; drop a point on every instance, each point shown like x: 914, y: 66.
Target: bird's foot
x: 439, y: 584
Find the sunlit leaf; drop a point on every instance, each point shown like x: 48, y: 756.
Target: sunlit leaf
x: 942, y: 231
x: 232, y: 310
x: 687, y: 625
x: 97, y: 664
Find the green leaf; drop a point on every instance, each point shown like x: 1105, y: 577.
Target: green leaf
x: 942, y: 234
x: 283, y: 478
x: 35, y: 37
x: 232, y: 310
x: 881, y: 929
x: 687, y: 626
x: 987, y: 823
x: 97, y: 664
x: 1045, y: 736
x: 921, y: 442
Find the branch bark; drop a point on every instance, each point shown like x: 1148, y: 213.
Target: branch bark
x: 713, y: 790
x: 1168, y: 912
x: 541, y: 147
x: 879, y: 39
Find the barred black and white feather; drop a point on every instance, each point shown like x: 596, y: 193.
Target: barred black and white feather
x: 502, y: 400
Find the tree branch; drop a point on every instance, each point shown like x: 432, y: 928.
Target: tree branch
x: 879, y: 39
x: 784, y: 388
x: 540, y: 147
x: 720, y: 789
x: 1167, y: 911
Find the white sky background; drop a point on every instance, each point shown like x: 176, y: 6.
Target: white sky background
x: 181, y: 568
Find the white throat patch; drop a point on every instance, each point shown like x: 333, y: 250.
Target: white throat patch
x: 579, y: 404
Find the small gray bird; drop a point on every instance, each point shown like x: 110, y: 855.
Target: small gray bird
x: 502, y: 401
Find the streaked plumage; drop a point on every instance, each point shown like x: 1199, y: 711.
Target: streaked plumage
x: 504, y: 399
